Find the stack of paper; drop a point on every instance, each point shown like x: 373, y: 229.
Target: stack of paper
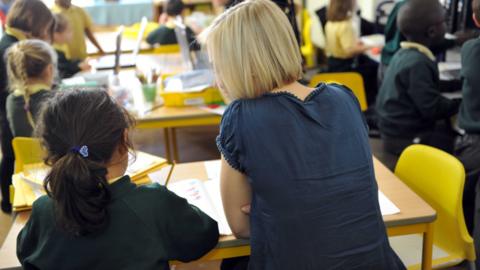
x: 387, y: 207
x: 28, y: 185
x: 205, y: 196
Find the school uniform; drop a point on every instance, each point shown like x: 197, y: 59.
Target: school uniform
x: 17, y: 112
x: 467, y: 147
x: 340, y: 36
x: 148, y: 226
x: 66, y: 67
x: 393, y: 38
x: 165, y: 35
x: 7, y: 162
x: 409, y: 103
x: 314, y: 195
x: 78, y: 20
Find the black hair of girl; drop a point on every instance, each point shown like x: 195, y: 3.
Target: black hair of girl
x: 78, y: 184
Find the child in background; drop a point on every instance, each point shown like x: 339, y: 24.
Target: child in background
x: 61, y: 36
x: 410, y: 105
x: 26, y: 19
x: 30, y: 67
x: 81, y: 24
x: 94, y: 216
x: 393, y: 38
x: 467, y: 147
x: 344, y: 47
x: 165, y: 33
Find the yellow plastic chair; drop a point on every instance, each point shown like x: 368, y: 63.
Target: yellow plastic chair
x: 438, y: 178
x: 27, y: 151
x: 167, y: 49
x: 307, y: 49
x: 352, y: 80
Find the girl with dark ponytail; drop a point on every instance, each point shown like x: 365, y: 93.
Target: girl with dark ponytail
x: 94, y: 217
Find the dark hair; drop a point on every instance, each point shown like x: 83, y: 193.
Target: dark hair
x: 340, y: 10
x: 77, y: 184
x: 31, y: 16
x: 61, y: 23
x: 174, y: 7
x: 415, y: 17
x: 476, y: 9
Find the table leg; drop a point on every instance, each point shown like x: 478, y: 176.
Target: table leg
x: 167, y: 144
x: 176, y: 158
x: 427, y: 247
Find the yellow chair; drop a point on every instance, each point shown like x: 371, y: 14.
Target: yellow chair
x: 307, y: 49
x: 438, y: 178
x: 352, y: 80
x: 167, y: 49
x: 27, y: 151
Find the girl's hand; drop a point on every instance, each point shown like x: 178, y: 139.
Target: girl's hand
x: 85, y: 66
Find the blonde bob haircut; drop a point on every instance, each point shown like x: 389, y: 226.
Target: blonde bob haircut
x: 253, y: 50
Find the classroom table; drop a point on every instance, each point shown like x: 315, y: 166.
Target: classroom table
x: 171, y: 118
x: 107, y: 39
x: 415, y: 216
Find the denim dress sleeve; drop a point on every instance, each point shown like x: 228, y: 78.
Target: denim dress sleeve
x: 228, y: 141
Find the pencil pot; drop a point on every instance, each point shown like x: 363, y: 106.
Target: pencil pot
x: 149, y: 92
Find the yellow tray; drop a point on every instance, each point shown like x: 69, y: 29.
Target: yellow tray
x: 210, y: 95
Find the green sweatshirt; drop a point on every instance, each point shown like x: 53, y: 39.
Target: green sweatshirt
x: 409, y: 101
x: 469, y: 117
x: 148, y: 227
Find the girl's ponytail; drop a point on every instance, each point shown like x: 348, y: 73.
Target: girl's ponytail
x: 81, y: 130
x: 81, y: 193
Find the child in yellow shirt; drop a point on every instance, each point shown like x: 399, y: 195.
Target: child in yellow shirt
x: 81, y: 25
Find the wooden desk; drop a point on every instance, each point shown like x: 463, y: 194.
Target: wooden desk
x: 415, y: 216
x: 170, y: 118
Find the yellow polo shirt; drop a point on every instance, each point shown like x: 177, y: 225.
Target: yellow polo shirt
x: 340, y: 36
x: 79, y: 21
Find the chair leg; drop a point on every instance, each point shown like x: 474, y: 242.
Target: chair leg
x: 471, y: 265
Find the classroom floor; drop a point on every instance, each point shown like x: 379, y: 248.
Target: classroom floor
x: 197, y: 144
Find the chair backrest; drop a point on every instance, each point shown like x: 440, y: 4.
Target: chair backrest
x: 27, y: 151
x: 167, y: 49
x: 438, y: 178
x: 352, y: 80
x: 383, y: 12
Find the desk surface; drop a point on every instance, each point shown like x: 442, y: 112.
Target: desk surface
x: 413, y: 210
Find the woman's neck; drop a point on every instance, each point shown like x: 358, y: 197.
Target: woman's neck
x: 295, y: 88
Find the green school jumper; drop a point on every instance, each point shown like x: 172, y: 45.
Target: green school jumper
x: 409, y: 101
x: 17, y: 114
x: 148, y: 227
x: 469, y: 116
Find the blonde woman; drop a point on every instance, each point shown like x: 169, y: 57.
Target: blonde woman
x: 30, y: 69
x: 297, y: 176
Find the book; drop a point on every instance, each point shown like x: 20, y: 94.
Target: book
x: 28, y: 185
x: 205, y: 195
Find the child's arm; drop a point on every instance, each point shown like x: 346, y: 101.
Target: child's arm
x: 350, y: 41
x: 191, y: 232
x: 236, y: 196
x: 427, y: 98
x: 92, y: 38
x: 358, y: 48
